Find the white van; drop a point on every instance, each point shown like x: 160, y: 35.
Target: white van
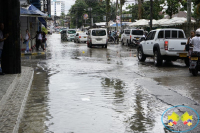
x: 97, y: 37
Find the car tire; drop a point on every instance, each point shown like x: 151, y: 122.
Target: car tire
x: 74, y: 41
x: 106, y: 46
x: 141, y: 56
x: 157, y: 58
x: 122, y: 42
x: 187, y: 61
x: 102, y: 46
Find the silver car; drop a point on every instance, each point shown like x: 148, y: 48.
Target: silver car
x: 80, y: 37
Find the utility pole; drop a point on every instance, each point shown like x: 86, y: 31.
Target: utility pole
x: 188, y: 16
x: 116, y: 15
x: 151, y: 13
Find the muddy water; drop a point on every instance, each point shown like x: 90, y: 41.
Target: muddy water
x: 82, y: 90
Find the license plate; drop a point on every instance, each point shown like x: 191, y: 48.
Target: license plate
x: 84, y: 37
x: 194, y: 58
x: 71, y: 36
x: 99, y: 39
x: 183, y: 55
x: 137, y: 38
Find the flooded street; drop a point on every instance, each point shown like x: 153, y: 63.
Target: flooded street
x: 77, y: 89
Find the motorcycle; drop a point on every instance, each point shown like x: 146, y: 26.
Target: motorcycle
x: 136, y: 42
x: 113, y: 39
x: 194, y: 63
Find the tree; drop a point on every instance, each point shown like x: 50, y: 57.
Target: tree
x: 121, y: 4
x: 107, y: 11
x: 172, y: 7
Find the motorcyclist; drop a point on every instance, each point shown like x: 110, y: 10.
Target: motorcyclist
x: 195, y: 42
x: 113, y: 35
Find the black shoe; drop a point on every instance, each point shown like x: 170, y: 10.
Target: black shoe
x: 2, y: 73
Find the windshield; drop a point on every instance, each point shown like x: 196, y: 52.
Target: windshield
x: 98, y: 33
x: 137, y: 32
x: 71, y: 31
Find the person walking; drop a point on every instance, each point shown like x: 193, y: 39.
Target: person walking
x: 44, y: 40
x: 40, y: 40
x: 2, y: 39
x: 27, y: 38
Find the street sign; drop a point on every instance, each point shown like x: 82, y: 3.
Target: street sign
x: 85, y: 16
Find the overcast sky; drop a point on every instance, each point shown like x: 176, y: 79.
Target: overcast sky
x: 68, y: 4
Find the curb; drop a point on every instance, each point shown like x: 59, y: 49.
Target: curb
x: 20, y: 115
x: 14, y: 101
x: 34, y: 53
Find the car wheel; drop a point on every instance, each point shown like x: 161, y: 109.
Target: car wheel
x: 106, y: 46
x: 141, y: 56
x: 157, y: 59
x: 122, y: 42
x: 102, y: 46
x: 74, y: 41
x: 187, y: 62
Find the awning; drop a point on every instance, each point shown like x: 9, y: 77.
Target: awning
x: 114, y: 25
x: 28, y: 13
x: 42, y: 21
x: 36, y: 11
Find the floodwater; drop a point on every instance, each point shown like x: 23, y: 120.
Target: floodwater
x: 81, y: 90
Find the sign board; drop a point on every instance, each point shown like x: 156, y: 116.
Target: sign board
x: 118, y: 19
x: 85, y: 16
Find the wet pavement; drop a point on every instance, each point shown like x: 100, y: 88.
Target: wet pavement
x: 81, y: 90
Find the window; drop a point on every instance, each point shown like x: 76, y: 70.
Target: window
x: 149, y: 36
x: 174, y: 34
x: 98, y: 33
x: 167, y: 34
x: 137, y: 32
x: 161, y: 34
x: 71, y: 31
x: 180, y: 34
x: 153, y: 35
x: 127, y: 31
x: 58, y: 3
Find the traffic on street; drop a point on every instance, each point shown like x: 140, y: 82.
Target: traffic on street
x: 83, y: 89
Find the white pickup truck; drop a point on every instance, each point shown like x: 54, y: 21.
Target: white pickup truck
x: 163, y: 44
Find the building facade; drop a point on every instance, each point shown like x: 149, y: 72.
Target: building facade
x: 57, y: 7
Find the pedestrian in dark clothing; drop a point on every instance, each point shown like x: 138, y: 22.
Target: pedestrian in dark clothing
x: 43, y: 40
x: 2, y: 39
x: 40, y: 40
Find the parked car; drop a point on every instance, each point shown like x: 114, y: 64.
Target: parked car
x: 80, y: 37
x: 132, y: 36
x: 70, y: 33
x: 163, y: 44
x: 124, y: 36
x: 97, y: 37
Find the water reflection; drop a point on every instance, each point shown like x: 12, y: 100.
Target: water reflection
x: 139, y: 121
x: 36, y: 107
x: 127, y: 103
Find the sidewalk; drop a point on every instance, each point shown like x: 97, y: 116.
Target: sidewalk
x: 14, y: 90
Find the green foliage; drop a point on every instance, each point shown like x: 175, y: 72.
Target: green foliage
x: 44, y: 30
x: 173, y: 7
x: 133, y: 9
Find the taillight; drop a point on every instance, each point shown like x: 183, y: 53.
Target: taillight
x: 166, y: 45
x: 130, y: 36
x: 79, y: 36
